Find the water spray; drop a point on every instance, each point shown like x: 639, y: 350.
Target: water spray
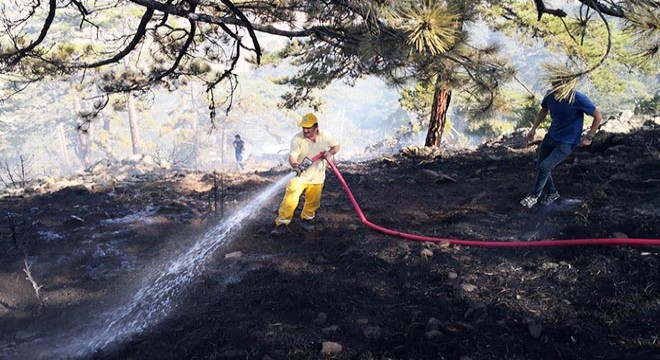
x: 159, y: 296
x: 162, y: 290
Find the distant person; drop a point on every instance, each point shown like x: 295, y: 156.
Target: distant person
x: 565, y: 133
x: 239, y: 145
x: 308, y: 143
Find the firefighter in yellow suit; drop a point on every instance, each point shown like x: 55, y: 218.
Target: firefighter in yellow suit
x: 308, y: 143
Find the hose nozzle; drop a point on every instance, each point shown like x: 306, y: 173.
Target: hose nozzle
x: 307, y: 162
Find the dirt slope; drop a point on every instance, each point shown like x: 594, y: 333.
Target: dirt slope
x: 343, y: 291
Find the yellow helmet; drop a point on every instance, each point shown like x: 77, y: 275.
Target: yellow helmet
x: 308, y: 120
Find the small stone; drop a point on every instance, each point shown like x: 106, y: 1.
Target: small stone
x: 332, y: 329
x: 73, y: 221
x: 234, y: 255
x: 433, y: 324
x: 535, y: 330
x: 432, y: 334
x: 426, y: 176
x: 321, y: 318
x: 331, y: 348
x: 372, y: 332
x: 426, y: 253
x: 234, y: 354
x: 366, y: 356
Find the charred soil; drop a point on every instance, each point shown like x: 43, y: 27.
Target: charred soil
x: 344, y: 291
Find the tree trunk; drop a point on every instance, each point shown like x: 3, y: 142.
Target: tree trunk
x: 64, y: 154
x: 195, y: 134
x: 223, y: 141
x: 441, y: 100
x: 84, y: 150
x: 130, y: 102
x: 195, y: 140
x: 107, y: 144
x: 133, y: 123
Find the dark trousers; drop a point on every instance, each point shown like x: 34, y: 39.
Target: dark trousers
x: 239, y: 159
x: 551, y: 154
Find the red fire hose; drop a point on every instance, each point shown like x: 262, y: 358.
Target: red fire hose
x: 484, y: 243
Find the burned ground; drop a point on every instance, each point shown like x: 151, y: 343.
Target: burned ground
x: 344, y: 291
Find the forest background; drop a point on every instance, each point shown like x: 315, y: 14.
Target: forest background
x: 55, y: 122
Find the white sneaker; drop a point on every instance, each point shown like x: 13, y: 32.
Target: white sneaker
x: 529, y: 201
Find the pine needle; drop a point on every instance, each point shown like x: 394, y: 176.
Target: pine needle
x: 564, y: 81
x: 430, y: 26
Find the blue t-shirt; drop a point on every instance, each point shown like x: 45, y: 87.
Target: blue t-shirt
x: 567, y: 118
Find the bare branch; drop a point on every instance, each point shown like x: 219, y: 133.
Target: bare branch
x: 241, y: 21
x: 137, y: 38
x: 248, y: 25
x: 13, y: 58
x: 542, y: 9
x: 182, y: 52
x: 226, y: 74
x: 28, y: 276
x: 81, y: 7
x: 612, y: 10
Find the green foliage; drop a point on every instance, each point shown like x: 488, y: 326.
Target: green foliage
x: 199, y: 67
x: 643, y: 24
x: 118, y: 103
x: 418, y: 99
x: 64, y: 52
x: 403, y: 42
x: 589, y: 42
x: 525, y: 113
x: 563, y: 81
x: 490, y: 128
x: 512, y: 109
x: 267, y: 58
x: 649, y: 106
x: 431, y: 26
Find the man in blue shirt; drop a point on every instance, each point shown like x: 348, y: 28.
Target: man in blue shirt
x: 565, y: 133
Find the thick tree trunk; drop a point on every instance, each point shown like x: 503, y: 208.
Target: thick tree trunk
x: 441, y: 100
x: 133, y: 124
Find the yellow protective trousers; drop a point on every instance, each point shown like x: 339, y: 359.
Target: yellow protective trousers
x: 294, y: 189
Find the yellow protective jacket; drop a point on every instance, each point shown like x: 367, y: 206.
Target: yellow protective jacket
x: 302, y: 147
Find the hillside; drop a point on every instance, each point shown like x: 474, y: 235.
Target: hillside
x: 341, y: 291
